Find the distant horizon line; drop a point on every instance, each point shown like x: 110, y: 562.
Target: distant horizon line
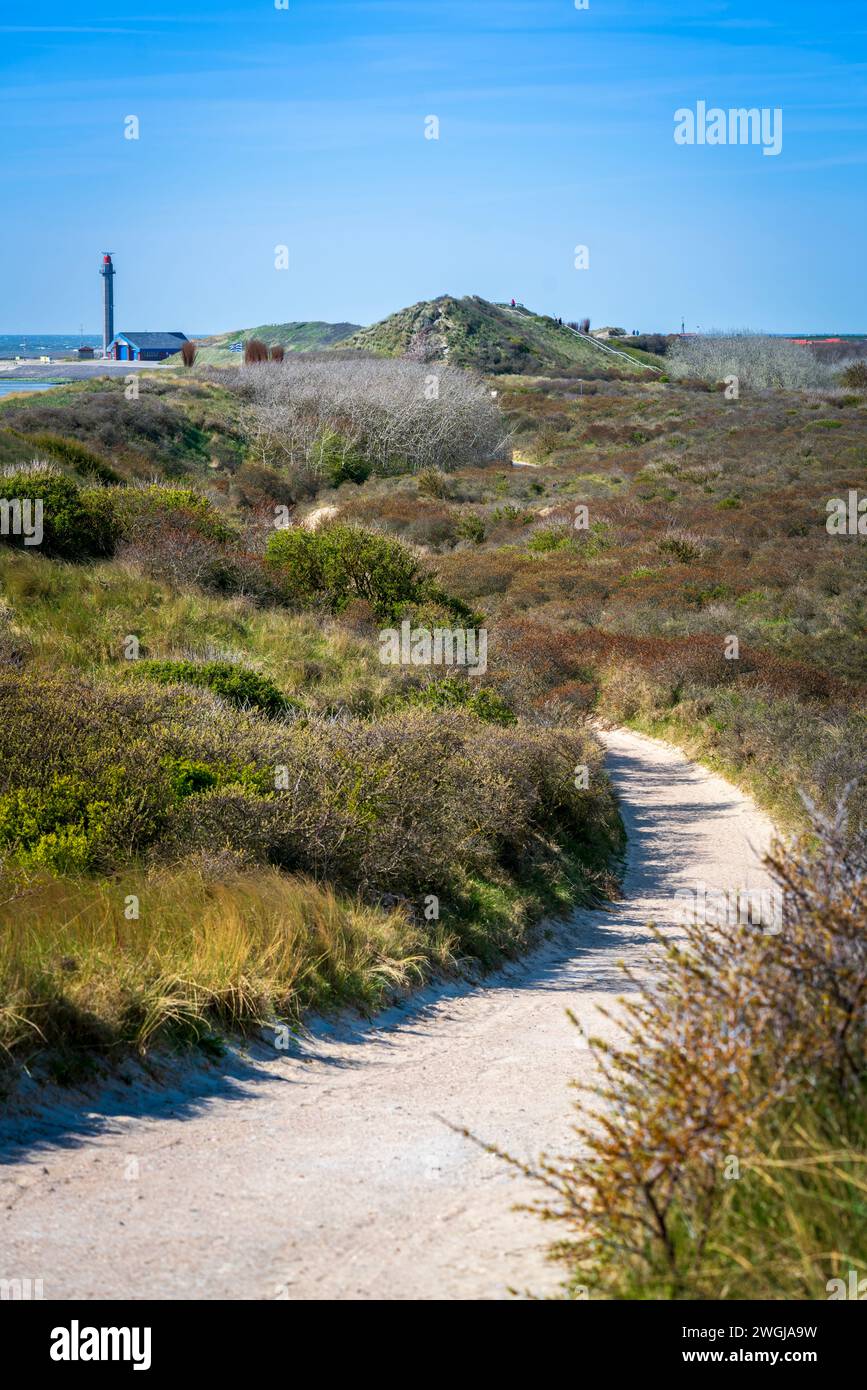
x: 644, y: 332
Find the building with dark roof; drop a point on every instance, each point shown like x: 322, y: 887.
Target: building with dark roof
x: 145, y: 347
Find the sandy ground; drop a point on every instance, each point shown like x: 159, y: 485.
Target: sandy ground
x: 330, y: 1173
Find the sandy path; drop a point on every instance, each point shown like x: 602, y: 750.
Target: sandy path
x: 328, y: 1174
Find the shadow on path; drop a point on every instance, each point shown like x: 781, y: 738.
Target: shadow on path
x: 581, y: 953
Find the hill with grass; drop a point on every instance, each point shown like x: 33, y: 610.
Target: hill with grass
x: 492, y: 338
x: 216, y: 350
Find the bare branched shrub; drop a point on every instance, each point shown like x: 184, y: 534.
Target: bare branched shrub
x: 759, y: 362
x: 397, y: 415
x: 255, y: 351
x: 278, y: 352
x: 189, y: 352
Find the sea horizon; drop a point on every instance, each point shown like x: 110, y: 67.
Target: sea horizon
x: 32, y: 344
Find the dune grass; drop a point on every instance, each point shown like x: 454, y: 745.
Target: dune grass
x: 73, y: 617
x: 93, y: 968
x: 79, y: 977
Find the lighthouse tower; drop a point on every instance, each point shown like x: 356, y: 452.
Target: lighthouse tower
x: 107, y: 273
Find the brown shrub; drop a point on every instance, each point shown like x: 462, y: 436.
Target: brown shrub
x: 416, y: 519
x: 258, y: 484
x: 740, y: 1024
x: 255, y: 351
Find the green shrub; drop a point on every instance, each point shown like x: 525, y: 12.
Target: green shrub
x: 236, y: 684
x: 548, y: 538
x: 94, y: 776
x: 77, y: 523
x: 471, y: 528
x: 190, y: 777
x: 60, y: 827
x: 338, y: 563
x: 339, y: 460
x: 433, y: 482
x: 681, y: 548
x: 855, y: 375
x: 455, y: 693
x: 138, y: 507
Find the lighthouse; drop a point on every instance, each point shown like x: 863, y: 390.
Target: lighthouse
x: 107, y: 273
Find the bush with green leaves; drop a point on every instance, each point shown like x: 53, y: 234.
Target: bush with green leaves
x: 238, y: 685
x: 855, y: 375
x: 92, y: 776
x: 61, y: 826
x: 545, y: 539
x: 471, y: 528
x: 433, y: 482
x: 77, y: 523
x: 339, y: 460
x: 335, y: 564
x: 190, y: 776
x: 140, y: 509
x: 455, y: 692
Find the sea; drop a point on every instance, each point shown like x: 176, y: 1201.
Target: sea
x: 10, y: 388
x: 45, y: 344
x: 32, y: 345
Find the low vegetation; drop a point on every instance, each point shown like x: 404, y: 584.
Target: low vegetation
x: 705, y: 520
x: 136, y: 783
x: 224, y: 349
x: 218, y: 807
x: 754, y: 361
x: 345, y: 418
x: 731, y: 1162
x: 207, y: 953
x: 179, y: 702
x: 173, y: 428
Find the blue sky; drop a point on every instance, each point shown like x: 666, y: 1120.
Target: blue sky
x: 304, y: 127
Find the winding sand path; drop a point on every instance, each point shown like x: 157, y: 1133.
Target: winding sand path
x: 329, y: 1173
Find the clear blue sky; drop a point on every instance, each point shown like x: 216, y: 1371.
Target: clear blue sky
x: 304, y: 126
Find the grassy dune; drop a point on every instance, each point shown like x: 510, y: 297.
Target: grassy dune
x: 472, y: 332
